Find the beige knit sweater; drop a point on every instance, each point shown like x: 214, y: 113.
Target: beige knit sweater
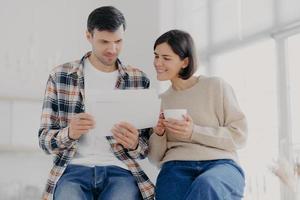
x: 220, y: 127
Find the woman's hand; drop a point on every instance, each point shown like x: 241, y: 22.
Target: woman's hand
x: 159, y: 129
x: 180, y: 128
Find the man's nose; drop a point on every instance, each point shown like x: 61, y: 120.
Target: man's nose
x: 112, y: 48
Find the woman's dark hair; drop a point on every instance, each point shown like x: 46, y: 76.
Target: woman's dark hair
x: 183, y: 45
x: 106, y: 18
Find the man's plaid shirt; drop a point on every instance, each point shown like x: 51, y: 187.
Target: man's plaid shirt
x: 64, y: 96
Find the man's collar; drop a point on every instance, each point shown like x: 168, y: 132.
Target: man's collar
x: 79, y: 65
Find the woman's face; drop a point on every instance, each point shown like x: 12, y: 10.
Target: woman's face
x: 167, y: 63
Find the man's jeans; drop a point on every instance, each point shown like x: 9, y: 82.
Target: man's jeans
x: 95, y: 183
x: 197, y: 180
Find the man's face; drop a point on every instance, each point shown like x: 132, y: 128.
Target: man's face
x: 106, y: 45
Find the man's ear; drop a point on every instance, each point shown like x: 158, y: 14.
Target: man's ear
x: 88, y: 35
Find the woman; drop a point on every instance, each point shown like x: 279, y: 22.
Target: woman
x: 197, y: 155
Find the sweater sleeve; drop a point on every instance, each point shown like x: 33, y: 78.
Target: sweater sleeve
x: 231, y: 134
x: 157, y: 148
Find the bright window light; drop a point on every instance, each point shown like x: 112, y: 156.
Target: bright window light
x: 251, y: 71
x: 294, y: 72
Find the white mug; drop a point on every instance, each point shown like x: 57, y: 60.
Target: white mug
x: 174, y: 113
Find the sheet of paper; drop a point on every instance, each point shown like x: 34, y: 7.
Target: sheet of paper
x: 139, y: 107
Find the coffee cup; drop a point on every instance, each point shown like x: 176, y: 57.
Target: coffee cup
x: 175, y: 113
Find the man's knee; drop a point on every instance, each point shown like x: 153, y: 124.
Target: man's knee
x: 122, y: 190
x: 68, y: 190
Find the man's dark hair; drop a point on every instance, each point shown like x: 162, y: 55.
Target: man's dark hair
x: 106, y: 18
x: 183, y: 45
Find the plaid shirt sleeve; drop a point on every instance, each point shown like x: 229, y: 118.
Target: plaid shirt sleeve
x: 52, y: 137
x: 141, y: 151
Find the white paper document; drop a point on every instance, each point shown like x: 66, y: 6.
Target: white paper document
x: 139, y: 107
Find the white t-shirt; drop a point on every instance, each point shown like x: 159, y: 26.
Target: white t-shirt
x: 94, y: 149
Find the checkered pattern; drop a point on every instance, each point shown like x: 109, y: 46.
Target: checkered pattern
x: 64, y: 97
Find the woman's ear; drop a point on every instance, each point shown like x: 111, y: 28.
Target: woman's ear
x: 185, y: 62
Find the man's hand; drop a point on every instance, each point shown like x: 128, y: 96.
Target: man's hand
x: 126, y: 135
x: 80, y: 124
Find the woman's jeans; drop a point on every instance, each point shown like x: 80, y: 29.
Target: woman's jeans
x: 95, y: 183
x: 200, y: 180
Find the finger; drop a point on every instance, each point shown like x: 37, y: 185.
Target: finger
x: 115, y: 130
x: 180, y: 123
x: 127, y: 125
x: 84, y: 119
x: 159, y: 130
x: 82, y: 131
x: 82, y: 127
x: 161, y: 121
x: 128, y: 128
x: 121, y: 132
x: 82, y: 122
x: 187, y: 118
x: 124, y: 136
x: 84, y: 116
x: 85, y: 123
x: 122, y: 139
x: 119, y: 140
x: 160, y: 125
x: 131, y: 136
x: 91, y: 120
x: 174, y: 132
x: 118, y: 129
x: 161, y: 115
x: 174, y: 126
x: 175, y: 121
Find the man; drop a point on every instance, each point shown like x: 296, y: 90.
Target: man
x: 86, y: 165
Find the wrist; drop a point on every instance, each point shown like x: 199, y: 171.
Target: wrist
x: 70, y: 136
x: 160, y: 134
x: 135, y: 147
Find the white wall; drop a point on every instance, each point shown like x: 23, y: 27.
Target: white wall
x: 38, y: 35
x: 35, y: 36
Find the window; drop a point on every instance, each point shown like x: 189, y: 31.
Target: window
x: 294, y: 72
x: 294, y: 87
x: 251, y: 71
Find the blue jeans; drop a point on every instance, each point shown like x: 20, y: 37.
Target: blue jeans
x: 95, y: 183
x: 200, y: 180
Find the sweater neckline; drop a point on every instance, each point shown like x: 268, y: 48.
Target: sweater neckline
x: 187, y: 89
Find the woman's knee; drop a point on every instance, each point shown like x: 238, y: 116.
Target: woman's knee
x: 213, y: 187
